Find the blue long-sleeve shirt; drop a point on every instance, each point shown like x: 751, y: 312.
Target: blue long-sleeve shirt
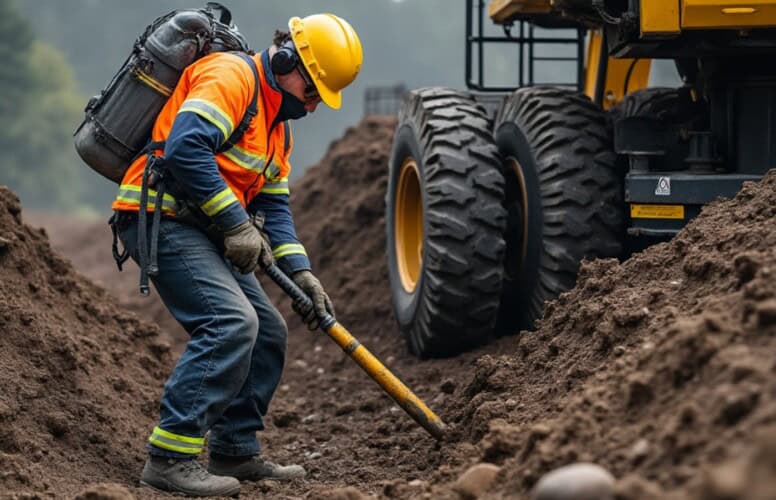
x: 190, y: 157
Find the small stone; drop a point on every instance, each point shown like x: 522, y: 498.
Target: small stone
x: 619, y: 350
x: 448, y: 386
x: 476, y: 480
x: 639, y: 451
x: 634, y: 487
x: 106, y: 491
x: 313, y: 417
x: 4, y: 243
x: 725, y: 481
x: 299, y: 363
x: 320, y: 371
x: 347, y: 493
x: 317, y: 348
x: 581, y: 481
x: 313, y: 455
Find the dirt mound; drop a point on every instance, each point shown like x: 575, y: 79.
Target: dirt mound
x: 80, y: 379
x: 660, y: 368
x: 86, y: 242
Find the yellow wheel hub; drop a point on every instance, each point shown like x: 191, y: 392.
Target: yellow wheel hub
x: 522, y: 206
x: 408, y: 225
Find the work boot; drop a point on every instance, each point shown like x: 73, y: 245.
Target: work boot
x: 253, y: 468
x: 187, y: 477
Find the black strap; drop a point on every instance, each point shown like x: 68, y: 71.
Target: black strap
x: 122, y: 257
x: 249, y: 113
x: 286, y: 137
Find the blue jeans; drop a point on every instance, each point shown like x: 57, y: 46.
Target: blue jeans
x: 226, y: 376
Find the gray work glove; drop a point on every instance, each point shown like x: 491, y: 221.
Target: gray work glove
x: 321, y: 301
x: 244, y: 245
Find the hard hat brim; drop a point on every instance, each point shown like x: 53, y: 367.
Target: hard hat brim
x: 329, y: 98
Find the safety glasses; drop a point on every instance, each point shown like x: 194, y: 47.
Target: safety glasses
x: 310, y: 92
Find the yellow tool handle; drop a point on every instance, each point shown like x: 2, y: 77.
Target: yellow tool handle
x: 400, y: 393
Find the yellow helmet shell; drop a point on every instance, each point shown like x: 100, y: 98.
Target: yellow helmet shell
x: 330, y: 51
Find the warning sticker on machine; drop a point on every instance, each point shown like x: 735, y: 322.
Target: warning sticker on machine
x: 657, y: 211
x: 663, y: 187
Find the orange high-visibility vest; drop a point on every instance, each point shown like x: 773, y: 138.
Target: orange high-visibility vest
x: 219, y: 88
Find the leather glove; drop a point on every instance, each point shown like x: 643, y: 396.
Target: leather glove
x: 321, y: 301
x: 242, y: 246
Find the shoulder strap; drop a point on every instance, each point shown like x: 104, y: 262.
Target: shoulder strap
x: 286, y: 136
x: 249, y: 113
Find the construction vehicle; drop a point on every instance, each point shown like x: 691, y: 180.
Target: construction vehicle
x: 496, y: 194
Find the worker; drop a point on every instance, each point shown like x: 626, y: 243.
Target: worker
x: 232, y: 363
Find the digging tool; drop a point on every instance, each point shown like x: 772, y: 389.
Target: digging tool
x: 400, y: 393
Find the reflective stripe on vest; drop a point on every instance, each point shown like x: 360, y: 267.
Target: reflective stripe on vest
x: 211, y: 113
x: 129, y: 193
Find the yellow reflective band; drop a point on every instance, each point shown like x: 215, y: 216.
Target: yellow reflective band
x: 218, y: 202
x: 278, y: 187
x: 176, y: 442
x: 244, y: 159
x: 130, y: 194
x: 275, y: 190
x: 288, y: 249
x: 151, y: 192
x: 211, y: 113
x: 179, y: 437
x: 162, y: 443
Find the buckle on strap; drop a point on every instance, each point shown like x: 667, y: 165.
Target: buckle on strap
x: 153, y: 176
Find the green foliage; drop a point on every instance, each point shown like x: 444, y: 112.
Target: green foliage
x: 40, y: 107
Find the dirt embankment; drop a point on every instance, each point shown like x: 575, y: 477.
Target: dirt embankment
x: 659, y: 368
x: 79, y: 376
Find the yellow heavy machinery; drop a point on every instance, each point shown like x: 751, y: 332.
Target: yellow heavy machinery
x: 497, y: 193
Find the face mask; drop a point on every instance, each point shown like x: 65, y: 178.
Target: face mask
x: 291, y: 108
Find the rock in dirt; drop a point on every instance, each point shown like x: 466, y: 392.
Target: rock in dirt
x: 476, y: 480
x: 582, y: 481
x: 107, y: 491
x: 347, y: 493
x: 635, y: 487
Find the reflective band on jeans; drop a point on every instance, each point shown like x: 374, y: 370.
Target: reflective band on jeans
x: 176, y: 442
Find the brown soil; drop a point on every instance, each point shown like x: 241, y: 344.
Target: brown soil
x: 660, y: 369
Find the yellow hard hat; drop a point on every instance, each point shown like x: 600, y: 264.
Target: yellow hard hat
x: 330, y: 51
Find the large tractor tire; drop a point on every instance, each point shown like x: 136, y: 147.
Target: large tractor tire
x: 563, y: 196
x: 445, y: 223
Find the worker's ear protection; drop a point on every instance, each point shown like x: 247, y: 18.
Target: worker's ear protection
x: 285, y: 59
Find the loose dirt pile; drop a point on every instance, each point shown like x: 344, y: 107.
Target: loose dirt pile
x: 79, y: 377
x: 661, y: 368
x: 87, y: 243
